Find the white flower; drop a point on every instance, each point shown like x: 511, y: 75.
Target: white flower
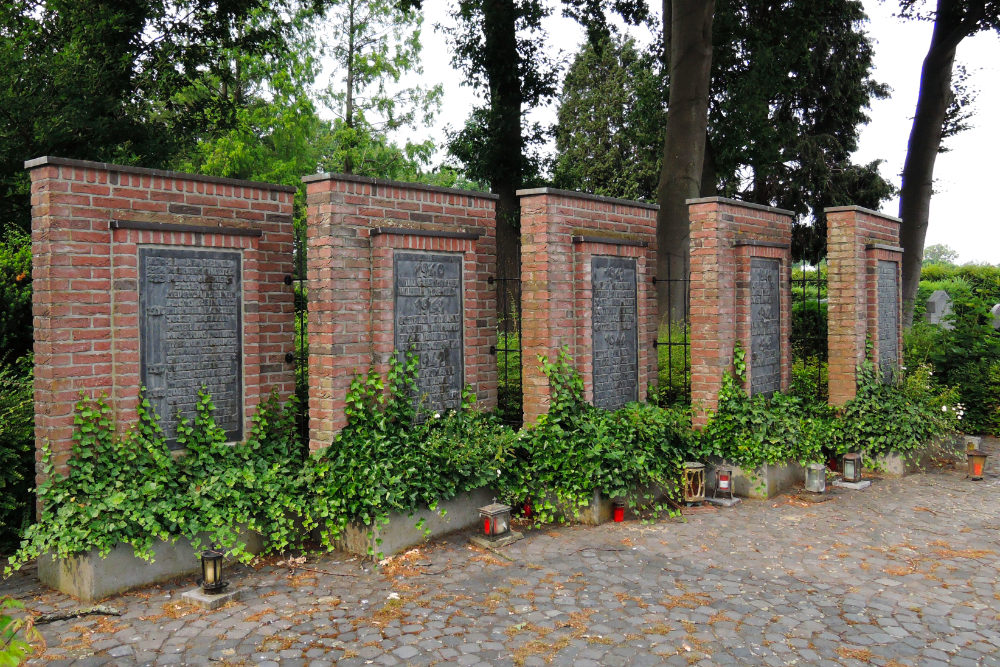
x: 437, y: 415
x: 944, y: 408
x: 498, y: 473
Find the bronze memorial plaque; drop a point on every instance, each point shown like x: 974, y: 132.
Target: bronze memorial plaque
x: 765, y: 326
x: 888, y: 319
x: 191, y: 336
x: 428, y: 322
x: 615, y: 331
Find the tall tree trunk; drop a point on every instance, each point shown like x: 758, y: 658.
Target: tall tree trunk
x: 349, y: 100
x: 690, y: 39
x: 500, y: 30
x: 952, y: 23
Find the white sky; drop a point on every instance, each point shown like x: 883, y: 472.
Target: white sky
x: 961, y: 212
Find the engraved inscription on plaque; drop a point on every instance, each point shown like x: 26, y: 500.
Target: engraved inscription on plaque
x: 615, y: 331
x: 190, y: 335
x: 428, y: 322
x: 888, y: 318
x: 765, y: 326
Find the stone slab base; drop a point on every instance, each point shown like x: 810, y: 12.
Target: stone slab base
x: 856, y: 486
x: 485, y: 543
x: 724, y: 502
x: 401, y: 532
x: 201, y: 599
x: 89, y: 577
x: 768, y: 482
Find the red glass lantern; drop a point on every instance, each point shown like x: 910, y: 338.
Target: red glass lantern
x: 619, y: 510
x: 496, y: 520
x: 723, y: 482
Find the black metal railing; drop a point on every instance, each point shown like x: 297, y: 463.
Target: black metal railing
x: 301, y: 337
x: 510, y: 399
x: 673, y: 342
x: 809, y: 329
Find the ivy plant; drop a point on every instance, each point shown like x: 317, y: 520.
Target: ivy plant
x: 576, y: 449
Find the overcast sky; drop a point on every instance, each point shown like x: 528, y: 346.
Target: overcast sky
x: 963, y: 214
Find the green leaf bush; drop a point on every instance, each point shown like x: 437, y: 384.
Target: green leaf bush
x: 17, y: 451
x: 130, y: 489
x: 901, y: 417
x: 633, y: 453
x: 393, y: 457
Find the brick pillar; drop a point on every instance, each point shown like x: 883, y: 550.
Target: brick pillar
x: 90, y: 221
x: 728, y: 238
x: 857, y: 241
x: 561, y: 234
x: 356, y: 226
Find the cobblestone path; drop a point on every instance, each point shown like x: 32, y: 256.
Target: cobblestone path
x: 904, y: 573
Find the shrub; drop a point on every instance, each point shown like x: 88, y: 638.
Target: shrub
x: 387, y: 460
x: 753, y: 431
x: 129, y: 489
x: 900, y: 418
x: 15, y: 294
x: 577, y: 449
x: 17, y: 451
x: 966, y: 356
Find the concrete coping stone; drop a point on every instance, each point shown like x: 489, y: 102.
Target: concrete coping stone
x: 531, y: 192
x: 194, y: 229
x: 860, y: 209
x: 376, y: 182
x: 742, y: 204
x: 430, y: 233
x: 610, y: 240
x: 883, y: 246
x: 48, y: 160
x: 761, y: 244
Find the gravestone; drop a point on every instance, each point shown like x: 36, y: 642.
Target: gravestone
x: 938, y: 307
x: 190, y: 335
x: 615, y: 331
x: 888, y: 317
x: 428, y: 323
x: 995, y: 310
x: 765, y: 326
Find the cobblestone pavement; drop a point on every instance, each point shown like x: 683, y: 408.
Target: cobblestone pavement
x: 904, y: 573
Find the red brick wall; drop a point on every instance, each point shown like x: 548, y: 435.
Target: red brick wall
x: 351, y: 284
x: 857, y: 239
x: 725, y: 235
x: 85, y: 279
x: 556, y: 276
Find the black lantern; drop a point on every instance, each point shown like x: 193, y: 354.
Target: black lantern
x: 496, y: 521
x: 723, y: 482
x: 852, y: 467
x: 211, y: 572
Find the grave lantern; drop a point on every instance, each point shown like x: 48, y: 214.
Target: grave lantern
x: 496, y: 520
x: 816, y: 477
x: 851, y: 467
x: 694, y: 482
x: 977, y: 464
x: 723, y: 481
x: 619, y: 509
x: 211, y: 572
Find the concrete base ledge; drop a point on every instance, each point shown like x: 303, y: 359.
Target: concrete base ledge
x: 89, y: 578
x: 767, y: 482
x: 897, y: 465
x: 401, y: 532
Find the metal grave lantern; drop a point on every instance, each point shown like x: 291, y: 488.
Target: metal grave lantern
x: 723, y: 482
x: 618, y: 505
x: 816, y: 478
x: 694, y: 482
x: 211, y: 572
x: 977, y: 464
x: 496, y: 520
x: 851, y: 467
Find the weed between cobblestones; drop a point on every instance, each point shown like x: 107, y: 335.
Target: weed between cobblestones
x: 862, y: 654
